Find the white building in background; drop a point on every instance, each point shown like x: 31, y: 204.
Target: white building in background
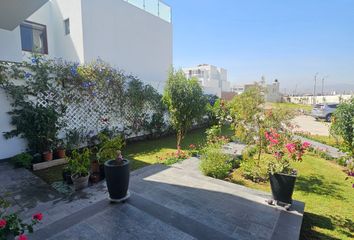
x: 135, y: 36
x: 272, y: 91
x: 211, y: 78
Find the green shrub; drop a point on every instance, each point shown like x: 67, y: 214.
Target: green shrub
x: 254, y: 170
x: 215, y: 164
x: 22, y: 160
x: 249, y: 152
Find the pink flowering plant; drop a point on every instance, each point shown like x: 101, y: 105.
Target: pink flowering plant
x: 12, y: 225
x: 284, y: 150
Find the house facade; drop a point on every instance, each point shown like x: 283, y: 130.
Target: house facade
x: 134, y: 36
x: 211, y: 78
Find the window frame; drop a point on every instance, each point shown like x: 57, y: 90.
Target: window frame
x: 35, y: 26
x: 67, y: 26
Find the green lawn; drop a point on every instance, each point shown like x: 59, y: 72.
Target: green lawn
x: 292, y: 106
x: 329, y: 198
x: 147, y: 152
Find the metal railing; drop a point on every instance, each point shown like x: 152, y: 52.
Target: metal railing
x: 155, y: 7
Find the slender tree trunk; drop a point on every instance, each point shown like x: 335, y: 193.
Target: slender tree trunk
x: 179, y: 138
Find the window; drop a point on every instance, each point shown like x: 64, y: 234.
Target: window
x: 34, y: 37
x: 67, y: 26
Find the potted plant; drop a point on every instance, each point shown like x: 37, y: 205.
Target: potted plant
x: 117, y: 178
x: 281, y: 175
x: 66, y: 173
x: 107, y: 150
x: 116, y: 169
x: 60, y: 151
x: 79, y: 164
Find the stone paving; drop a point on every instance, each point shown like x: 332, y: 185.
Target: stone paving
x: 332, y: 151
x: 175, y: 202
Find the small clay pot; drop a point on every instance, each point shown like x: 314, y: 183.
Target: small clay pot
x: 60, y: 153
x: 95, y: 177
x: 95, y: 166
x: 47, y: 156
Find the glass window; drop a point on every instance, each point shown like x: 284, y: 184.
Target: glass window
x: 67, y: 26
x: 34, y: 37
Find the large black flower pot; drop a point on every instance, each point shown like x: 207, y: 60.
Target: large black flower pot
x: 282, y: 186
x: 117, y: 178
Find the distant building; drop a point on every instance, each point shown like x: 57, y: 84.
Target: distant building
x: 238, y: 89
x: 272, y: 91
x: 211, y: 78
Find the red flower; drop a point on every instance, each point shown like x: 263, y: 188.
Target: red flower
x: 2, y: 223
x: 38, y: 216
x: 291, y: 147
x: 192, y: 146
x: 306, y: 145
x: 22, y: 237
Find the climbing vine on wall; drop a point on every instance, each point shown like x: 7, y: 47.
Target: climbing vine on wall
x: 66, y: 94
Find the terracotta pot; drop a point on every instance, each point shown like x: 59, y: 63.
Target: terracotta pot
x: 47, y: 156
x: 95, y: 177
x: 95, y: 166
x: 60, y: 153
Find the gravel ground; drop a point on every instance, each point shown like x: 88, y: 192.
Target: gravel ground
x: 309, y: 124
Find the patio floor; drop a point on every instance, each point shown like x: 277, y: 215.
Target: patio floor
x: 172, y: 203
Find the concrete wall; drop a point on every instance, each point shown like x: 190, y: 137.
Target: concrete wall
x: 309, y: 100
x: 129, y: 38
x: 13, y: 146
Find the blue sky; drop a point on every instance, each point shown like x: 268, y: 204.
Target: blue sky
x: 287, y: 40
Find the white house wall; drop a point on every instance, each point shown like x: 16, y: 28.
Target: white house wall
x: 129, y: 38
x: 8, y: 147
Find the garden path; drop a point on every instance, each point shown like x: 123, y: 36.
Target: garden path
x: 332, y: 151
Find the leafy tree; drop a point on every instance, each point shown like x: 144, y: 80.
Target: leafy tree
x: 185, y: 102
x: 251, y: 120
x: 247, y: 112
x: 343, y: 125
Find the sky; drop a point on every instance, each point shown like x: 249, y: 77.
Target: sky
x: 288, y: 40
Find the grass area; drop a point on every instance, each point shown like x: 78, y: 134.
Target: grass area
x: 147, y: 152
x: 292, y: 106
x: 329, y: 198
x: 51, y: 175
x: 328, y: 140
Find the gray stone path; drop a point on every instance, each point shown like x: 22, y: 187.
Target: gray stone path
x: 175, y: 202
x: 332, y: 151
x: 23, y: 190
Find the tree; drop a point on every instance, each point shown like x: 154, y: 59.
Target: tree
x: 250, y: 119
x: 343, y: 125
x: 185, y: 102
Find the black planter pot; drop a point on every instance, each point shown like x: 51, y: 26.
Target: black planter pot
x: 102, y: 173
x: 117, y: 178
x: 67, y: 176
x: 282, y: 186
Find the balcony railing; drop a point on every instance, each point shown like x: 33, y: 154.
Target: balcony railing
x: 155, y: 7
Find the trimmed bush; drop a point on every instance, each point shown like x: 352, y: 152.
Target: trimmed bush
x: 254, y: 170
x: 22, y: 160
x: 215, y: 164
